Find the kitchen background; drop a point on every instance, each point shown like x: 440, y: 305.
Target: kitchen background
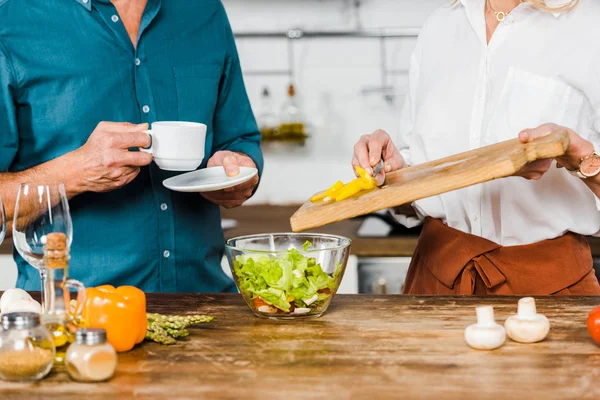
x: 349, y: 69
x: 346, y: 86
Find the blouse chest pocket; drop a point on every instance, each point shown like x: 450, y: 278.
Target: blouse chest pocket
x: 528, y: 101
x: 197, y: 91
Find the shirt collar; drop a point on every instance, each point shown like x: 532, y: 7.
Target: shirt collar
x: 86, y: 3
x: 552, y: 3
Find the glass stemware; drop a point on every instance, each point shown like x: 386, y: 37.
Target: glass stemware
x: 3, y: 222
x: 40, y: 210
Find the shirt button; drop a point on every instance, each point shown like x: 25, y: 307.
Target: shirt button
x: 164, y: 206
x: 85, y: 1
x: 137, y: 61
x: 115, y: 18
x: 146, y: 109
x: 166, y: 254
x: 475, y: 218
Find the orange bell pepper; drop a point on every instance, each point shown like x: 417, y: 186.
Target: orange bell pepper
x: 120, y: 311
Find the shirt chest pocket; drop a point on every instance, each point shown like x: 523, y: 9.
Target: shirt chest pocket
x: 528, y: 101
x: 197, y: 91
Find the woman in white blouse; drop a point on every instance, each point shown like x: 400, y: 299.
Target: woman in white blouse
x: 485, y: 71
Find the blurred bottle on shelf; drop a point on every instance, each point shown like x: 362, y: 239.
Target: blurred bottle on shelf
x: 292, y: 127
x: 267, y: 118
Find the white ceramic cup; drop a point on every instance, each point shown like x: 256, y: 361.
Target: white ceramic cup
x: 177, y: 146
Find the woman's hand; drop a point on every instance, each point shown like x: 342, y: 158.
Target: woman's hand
x: 370, y: 149
x: 578, y: 148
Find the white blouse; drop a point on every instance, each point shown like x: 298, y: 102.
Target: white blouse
x: 464, y: 94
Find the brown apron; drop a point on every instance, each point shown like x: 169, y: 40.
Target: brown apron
x: 450, y: 262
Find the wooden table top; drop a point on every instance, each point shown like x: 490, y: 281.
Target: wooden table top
x: 375, y: 347
x: 270, y: 219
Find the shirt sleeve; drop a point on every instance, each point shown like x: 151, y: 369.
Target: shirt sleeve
x: 407, y: 124
x: 234, y: 124
x: 408, y: 111
x: 592, y: 91
x: 9, y: 136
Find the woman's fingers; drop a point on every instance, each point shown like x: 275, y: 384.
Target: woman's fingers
x: 361, y: 152
x: 370, y: 148
x: 535, y: 170
x: 378, y: 141
x: 393, y: 159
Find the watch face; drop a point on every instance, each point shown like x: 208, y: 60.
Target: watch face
x: 591, y: 166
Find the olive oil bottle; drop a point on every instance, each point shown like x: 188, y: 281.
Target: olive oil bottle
x: 267, y: 120
x: 58, y: 317
x: 292, y: 126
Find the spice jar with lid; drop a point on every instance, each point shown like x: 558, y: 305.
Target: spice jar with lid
x: 91, y: 358
x: 26, y: 347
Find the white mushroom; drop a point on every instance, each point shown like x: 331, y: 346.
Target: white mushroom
x: 23, y: 305
x: 527, y: 326
x: 486, y: 334
x: 18, y: 300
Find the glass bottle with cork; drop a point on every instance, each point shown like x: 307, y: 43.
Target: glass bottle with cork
x: 267, y: 120
x: 58, y: 318
x: 292, y: 126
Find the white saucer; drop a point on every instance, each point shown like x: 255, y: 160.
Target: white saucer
x: 208, y: 180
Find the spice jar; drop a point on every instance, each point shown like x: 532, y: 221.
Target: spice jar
x: 91, y: 358
x: 26, y: 347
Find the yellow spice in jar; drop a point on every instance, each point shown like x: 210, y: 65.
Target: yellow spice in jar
x: 23, y: 365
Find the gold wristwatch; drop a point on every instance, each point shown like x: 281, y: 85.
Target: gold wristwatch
x: 588, y: 168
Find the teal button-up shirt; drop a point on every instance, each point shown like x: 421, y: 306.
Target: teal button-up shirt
x: 66, y: 65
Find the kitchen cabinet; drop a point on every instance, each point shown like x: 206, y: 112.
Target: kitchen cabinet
x: 382, y: 275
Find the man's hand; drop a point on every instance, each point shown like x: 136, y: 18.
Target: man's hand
x: 104, y: 162
x: 237, y: 195
x: 578, y: 148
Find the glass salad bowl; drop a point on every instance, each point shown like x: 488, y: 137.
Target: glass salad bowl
x: 288, y: 275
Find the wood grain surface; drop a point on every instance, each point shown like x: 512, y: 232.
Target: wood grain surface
x: 432, y: 178
x: 365, y: 347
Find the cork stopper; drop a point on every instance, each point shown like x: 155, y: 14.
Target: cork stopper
x: 56, y: 250
x: 56, y: 241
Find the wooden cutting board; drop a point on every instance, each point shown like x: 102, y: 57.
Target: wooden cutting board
x: 435, y: 177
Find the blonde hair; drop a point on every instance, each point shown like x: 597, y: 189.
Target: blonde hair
x: 542, y: 4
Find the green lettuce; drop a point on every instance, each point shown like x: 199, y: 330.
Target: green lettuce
x: 286, y: 279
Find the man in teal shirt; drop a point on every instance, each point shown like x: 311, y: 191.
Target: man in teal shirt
x: 79, y: 82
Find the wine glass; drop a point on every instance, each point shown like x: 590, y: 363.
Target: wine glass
x: 40, y: 210
x: 3, y: 223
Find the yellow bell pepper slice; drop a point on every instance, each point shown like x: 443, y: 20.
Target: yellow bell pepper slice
x: 361, y: 171
x: 368, y: 181
x: 327, y: 193
x: 339, y: 191
x: 352, y: 188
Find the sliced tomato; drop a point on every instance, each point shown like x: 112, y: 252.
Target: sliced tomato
x: 258, y: 302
